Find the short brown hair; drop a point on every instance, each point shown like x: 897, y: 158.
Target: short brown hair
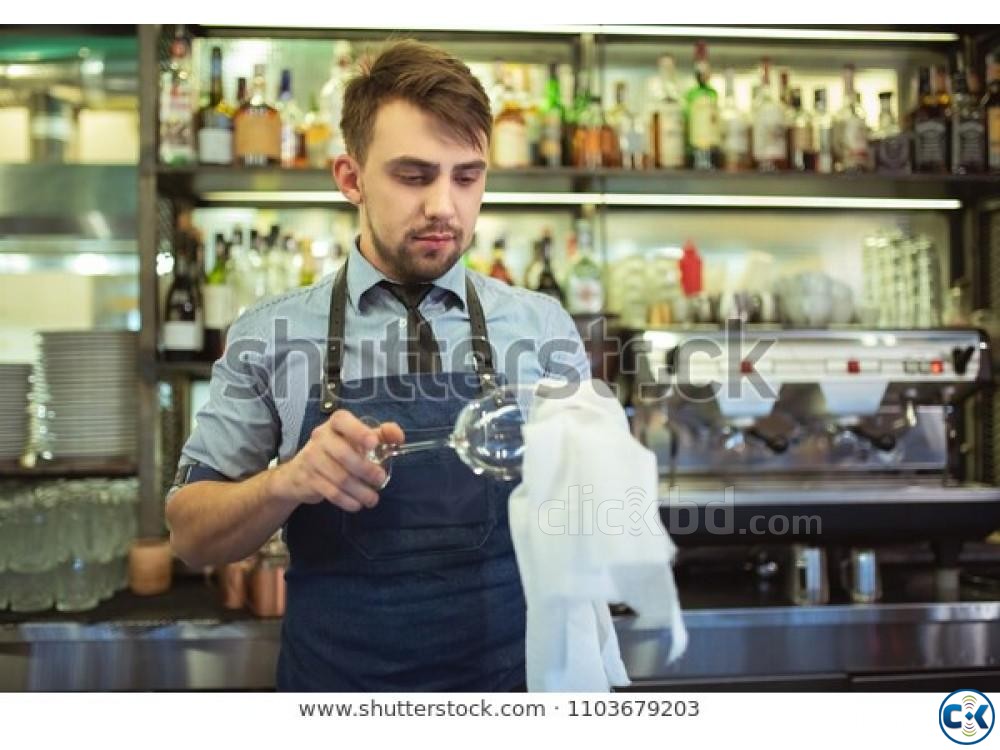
x: 427, y: 77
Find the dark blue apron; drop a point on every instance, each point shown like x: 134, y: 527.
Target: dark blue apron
x: 422, y: 592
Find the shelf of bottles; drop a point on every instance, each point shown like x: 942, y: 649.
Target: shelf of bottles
x: 652, y: 125
x: 259, y: 115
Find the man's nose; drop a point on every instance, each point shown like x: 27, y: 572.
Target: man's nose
x: 439, y: 202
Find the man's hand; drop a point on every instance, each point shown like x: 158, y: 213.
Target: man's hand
x: 332, y: 466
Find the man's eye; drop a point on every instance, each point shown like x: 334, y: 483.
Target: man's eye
x: 467, y: 178
x: 412, y: 179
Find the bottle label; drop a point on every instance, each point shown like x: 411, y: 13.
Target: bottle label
x: 215, y: 146
x: 257, y: 135
x: 551, y: 143
x: 219, y: 306
x: 704, y: 123
x: 892, y: 154
x: 970, y: 142
x: 993, y: 136
x: 586, y: 295
x: 176, y: 114
x: 735, y: 139
x: 670, y: 131
x: 510, y: 144
x: 184, y: 335
x: 769, y: 142
x: 855, y: 135
x: 930, y: 145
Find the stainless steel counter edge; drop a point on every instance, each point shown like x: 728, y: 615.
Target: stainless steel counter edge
x: 725, y: 644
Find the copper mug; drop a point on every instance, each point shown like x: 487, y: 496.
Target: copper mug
x: 267, y: 585
x: 150, y: 566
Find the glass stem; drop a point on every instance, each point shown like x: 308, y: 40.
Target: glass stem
x: 392, y: 451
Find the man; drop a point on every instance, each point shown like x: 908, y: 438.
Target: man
x: 414, y: 586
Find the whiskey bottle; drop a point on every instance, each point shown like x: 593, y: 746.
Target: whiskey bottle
x: 803, y: 151
x: 553, y: 119
x: 850, y: 140
x: 991, y: 106
x: 968, y: 126
x: 498, y: 269
x: 293, y: 140
x: 257, y: 127
x: 628, y: 129
x: 220, y: 304
x: 822, y: 133
x: 930, y: 130
x: 547, y: 283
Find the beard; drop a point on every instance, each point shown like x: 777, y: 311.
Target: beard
x: 407, y: 263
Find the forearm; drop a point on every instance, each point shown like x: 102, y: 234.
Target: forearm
x: 212, y: 523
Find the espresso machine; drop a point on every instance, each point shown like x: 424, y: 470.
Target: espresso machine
x: 809, y: 442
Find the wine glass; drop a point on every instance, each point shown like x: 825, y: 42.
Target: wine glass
x: 487, y: 435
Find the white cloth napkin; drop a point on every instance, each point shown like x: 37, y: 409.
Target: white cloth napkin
x: 587, y: 532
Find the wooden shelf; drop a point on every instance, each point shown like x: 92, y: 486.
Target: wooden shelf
x: 71, y: 468
x: 194, y: 370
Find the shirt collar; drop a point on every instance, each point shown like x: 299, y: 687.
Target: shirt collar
x: 362, y: 276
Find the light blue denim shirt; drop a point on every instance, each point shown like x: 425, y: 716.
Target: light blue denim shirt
x: 276, y: 354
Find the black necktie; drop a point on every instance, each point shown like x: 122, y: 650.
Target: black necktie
x: 422, y: 353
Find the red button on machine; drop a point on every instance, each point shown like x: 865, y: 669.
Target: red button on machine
x: 937, y: 366
x: 746, y: 367
x: 853, y: 366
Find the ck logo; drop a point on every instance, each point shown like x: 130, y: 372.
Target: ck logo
x: 966, y: 717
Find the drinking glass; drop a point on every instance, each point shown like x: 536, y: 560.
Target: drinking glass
x: 487, y: 435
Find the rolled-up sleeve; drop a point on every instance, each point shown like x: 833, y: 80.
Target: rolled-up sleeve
x: 238, y: 430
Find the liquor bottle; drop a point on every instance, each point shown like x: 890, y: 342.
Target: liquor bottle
x: 667, y: 125
x: 850, y: 141
x: 257, y: 127
x: 735, y: 128
x: 241, y: 91
x: 510, y: 131
x: 628, y: 129
x: 930, y: 130
x: 803, y: 150
x: 553, y: 118
x: 275, y: 263
x: 498, y: 269
x: 702, y: 105
x: 785, y: 96
x: 293, y: 138
x: 547, y: 283
x: 584, y: 282
x: 177, y: 104
x: 331, y: 99
x: 572, y: 157
x: 968, y: 126
x: 183, y: 321
x: 769, y: 143
x: 822, y: 133
x: 220, y: 304
x: 939, y: 77
x: 991, y: 106
x: 690, y: 267
x: 528, y: 102
x: 215, y: 121
x: 317, y: 134
x: 890, y: 143
x: 588, y: 146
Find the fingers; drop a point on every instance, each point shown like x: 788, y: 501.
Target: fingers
x: 353, y: 430
x: 338, y: 487
x: 390, y: 432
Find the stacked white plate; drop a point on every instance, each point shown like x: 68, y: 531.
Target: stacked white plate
x: 14, y: 386
x: 86, y: 393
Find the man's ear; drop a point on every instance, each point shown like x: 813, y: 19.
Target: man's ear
x: 347, y: 174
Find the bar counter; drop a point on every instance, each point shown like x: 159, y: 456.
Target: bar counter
x: 744, y: 635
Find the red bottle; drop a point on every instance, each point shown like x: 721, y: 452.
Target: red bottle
x: 690, y: 265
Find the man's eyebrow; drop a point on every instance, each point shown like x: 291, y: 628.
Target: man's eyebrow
x: 411, y: 162
x: 477, y: 164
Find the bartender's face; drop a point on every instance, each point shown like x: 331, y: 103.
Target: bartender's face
x: 418, y: 192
